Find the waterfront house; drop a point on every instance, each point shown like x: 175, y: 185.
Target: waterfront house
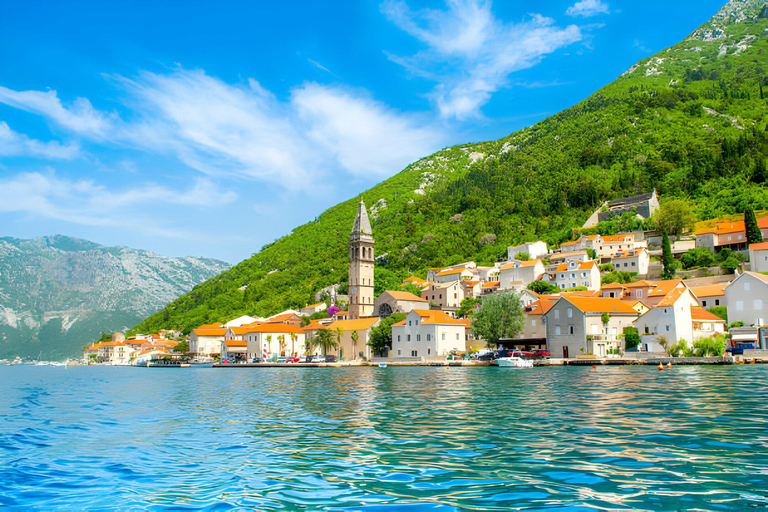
x: 746, y: 298
x: 234, y: 350
x: 535, y: 250
x: 353, y: 339
x: 114, y: 352
x: 428, y: 333
x: 516, y: 275
x: 575, y: 326
x: 534, y: 318
x: 670, y: 318
x: 395, y: 301
x: 206, y: 340
x: 758, y: 257
x: 276, y: 339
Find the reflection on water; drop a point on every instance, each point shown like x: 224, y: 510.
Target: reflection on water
x: 416, y: 438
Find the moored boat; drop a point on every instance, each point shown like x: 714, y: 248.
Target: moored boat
x: 514, y: 362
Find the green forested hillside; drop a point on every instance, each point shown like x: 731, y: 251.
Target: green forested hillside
x: 689, y: 121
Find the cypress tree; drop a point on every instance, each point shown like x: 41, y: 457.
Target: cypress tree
x: 754, y: 236
x: 667, y: 261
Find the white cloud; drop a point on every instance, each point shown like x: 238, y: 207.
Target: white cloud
x: 364, y: 136
x: 244, y: 131
x: 471, y: 53
x: 18, y: 144
x: 587, y: 8
x: 80, y: 117
x: 85, y: 202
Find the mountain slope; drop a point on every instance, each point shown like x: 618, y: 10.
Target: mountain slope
x: 58, y: 293
x: 689, y: 121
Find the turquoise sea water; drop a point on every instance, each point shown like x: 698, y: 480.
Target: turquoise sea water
x: 395, y: 438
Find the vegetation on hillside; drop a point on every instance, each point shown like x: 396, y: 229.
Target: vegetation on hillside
x: 689, y: 122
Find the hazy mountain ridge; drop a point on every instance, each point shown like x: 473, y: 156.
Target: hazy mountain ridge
x: 77, y: 281
x: 689, y: 121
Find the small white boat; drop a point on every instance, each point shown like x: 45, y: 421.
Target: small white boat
x: 382, y: 365
x: 514, y: 362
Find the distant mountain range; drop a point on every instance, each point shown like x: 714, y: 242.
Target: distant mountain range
x: 58, y: 293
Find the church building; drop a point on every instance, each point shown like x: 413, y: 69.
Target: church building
x: 361, y: 266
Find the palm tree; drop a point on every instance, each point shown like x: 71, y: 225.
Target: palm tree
x: 281, y: 339
x: 293, y: 336
x: 325, y: 339
x: 355, y: 337
x: 269, y: 343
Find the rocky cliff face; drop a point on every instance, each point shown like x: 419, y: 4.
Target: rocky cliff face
x: 58, y: 293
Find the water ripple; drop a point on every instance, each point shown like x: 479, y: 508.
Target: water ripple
x: 421, y: 439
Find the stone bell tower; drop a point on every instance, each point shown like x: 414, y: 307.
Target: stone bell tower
x: 361, y: 265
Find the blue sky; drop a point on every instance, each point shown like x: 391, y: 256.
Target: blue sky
x: 212, y: 128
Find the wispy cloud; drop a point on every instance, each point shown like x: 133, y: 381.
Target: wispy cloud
x: 244, y: 131
x: 587, y: 8
x: 45, y: 195
x: 471, y: 53
x: 18, y: 144
x: 320, y: 66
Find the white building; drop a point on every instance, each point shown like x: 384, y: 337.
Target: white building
x: 207, y: 339
x: 671, y: 317
x: 534, y: 249
x: 575, y: 273
x: 428, y: 333
x: 516, y: 275
x: 758, y: 257
x: 276, y: 339
x: 747, y: 299
x: 313, y: 308
x: 632, y: 260
x: 611, y: 244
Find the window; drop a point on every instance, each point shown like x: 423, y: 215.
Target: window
x: 418, y: 337
x: 570, y: 312
x: 667, y: 327
x: 443, y: 336
x: 440, y: 296
x: 408, y: 337
x: 557, y: 329
x: 739, y: 305
x: 704, y: 303
x: 717, y: 302
x: 457, y: 336
x: 414, y: 353
x: 639, y: 294
x: 729, y: 238
x: 533, y: 323
x: 429, y: 337
x: 758, y: 304
x: 429, y: 351
x: 562, y: 276
x: 409, y: 323
x: 557, y: 314
x: 570, y: 329
x: 633, y: 263
x: 746, y: 286
x: 398, y: 338
x: 583, y: 274
x: 573, y: 276
x: 398, y: 351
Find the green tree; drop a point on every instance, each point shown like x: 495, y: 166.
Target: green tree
x: 667, y: 261
x: 500, y: 317
x: 605, y: 317
x: 676, y: 217
x: 522, y: 256
x: 325, y: 340
x: 380, y: 337
x: 182, y: 346
x: 543, y: 288
x: 754, y: 236
x: 714, y: 346
x: 720, y: 311
x: 699, y: 257
x: 730, y: 264
x: 412, y: 288
x: 631, y: 338
x: 593, y: 255
x: 384, y: 280
x: 467, y: 306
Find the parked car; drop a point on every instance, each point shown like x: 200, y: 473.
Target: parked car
x: 485, y: 354
x: 740, y: 347
x: 506, y: 352
x: 540, y: 353
x: 255, y: 360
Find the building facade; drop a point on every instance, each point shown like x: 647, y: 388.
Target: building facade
x: 747, y: 299
x: 428, y: 333
x: 361, y: 261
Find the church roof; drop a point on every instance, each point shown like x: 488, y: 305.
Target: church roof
x: 361, y: 230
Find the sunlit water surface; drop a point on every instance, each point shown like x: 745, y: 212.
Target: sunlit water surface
x: 408, y: 438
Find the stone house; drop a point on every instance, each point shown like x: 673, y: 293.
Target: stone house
x: 574, y: 325
x: 746, y: 298
x: 428, y: 333
x: 632, y: 260
x: 446, y: 296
